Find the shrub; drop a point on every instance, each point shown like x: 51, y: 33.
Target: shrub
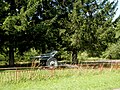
x: 82, y: 56
x: 2, y: 57
x: 112, y: 52
x: 26, y: 55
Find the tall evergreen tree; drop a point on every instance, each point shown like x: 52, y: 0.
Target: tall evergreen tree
x: 86, y: 26
x: 16, y: 22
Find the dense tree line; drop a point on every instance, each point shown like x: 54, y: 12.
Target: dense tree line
x: 74, y: 26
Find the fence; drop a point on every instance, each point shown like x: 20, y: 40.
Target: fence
x: 24, y: 74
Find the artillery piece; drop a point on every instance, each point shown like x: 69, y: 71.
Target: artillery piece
x: 47, y: 59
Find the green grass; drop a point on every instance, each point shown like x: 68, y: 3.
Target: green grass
x: 68, y: 79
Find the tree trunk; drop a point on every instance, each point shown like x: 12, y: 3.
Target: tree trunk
x: 44, y: 48
x: 11, y: 56
x: 74, y: 57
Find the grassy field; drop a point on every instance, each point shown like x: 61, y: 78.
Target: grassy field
x: 65, y: 79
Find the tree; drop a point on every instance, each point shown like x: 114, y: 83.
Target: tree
x: 45, y: 21
x: 86, y: 25
x: 16, y: 23
x: 75, y: 25
x: 29, y: 24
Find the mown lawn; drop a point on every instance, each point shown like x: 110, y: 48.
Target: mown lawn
x: 72, y: 79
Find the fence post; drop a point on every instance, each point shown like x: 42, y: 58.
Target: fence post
x: 116, y: 66
x: 101, y: 67
x: 52, y: 70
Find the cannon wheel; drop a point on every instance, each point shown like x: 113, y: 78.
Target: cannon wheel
x: 52, y: 62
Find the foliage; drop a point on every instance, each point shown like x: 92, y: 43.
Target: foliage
x: 88, y: 27
x: 69, y: 25
x: 26, y: 55
x: 15, y: 25
x: 64, y: 55
x: 83, y: 56
x: 2, y: 58
x: 113, y: 51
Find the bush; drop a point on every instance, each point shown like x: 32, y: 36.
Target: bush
x: 64, y: 55
x: 26, y: 55
x: 112, y: 52
x: 2, y: 57
x: 82, y: 56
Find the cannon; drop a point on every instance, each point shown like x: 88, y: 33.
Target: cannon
x: 47, y: 59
